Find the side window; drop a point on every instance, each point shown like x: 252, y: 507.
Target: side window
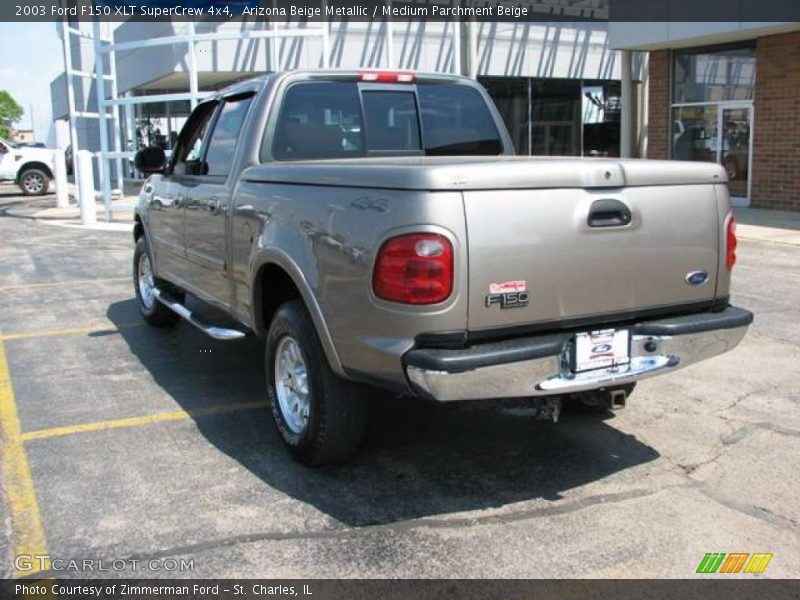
x: 319, y: 120
x: 222, y: 143
x: 391, y: 121
x: 3, y: 149
x: 190, y: 142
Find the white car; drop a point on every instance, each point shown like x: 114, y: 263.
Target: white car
x: 30, y: 168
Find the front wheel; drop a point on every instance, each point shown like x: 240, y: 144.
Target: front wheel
x: 34, y: 182
x: 144, y: 284
x: 319, y: 416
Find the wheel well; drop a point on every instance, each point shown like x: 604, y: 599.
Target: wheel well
x: 138, y: 228
x: 34, y: 165
x: 273, y: 286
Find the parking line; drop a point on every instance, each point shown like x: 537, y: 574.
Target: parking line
x: 178, y: 415
x: 27, y: 534
x: 32, y: 286
x: 108, y: 327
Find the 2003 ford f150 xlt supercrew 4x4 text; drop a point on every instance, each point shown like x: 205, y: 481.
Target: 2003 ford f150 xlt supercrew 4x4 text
x: 376, y: 229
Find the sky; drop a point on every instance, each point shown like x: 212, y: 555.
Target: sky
x: 31, y: 56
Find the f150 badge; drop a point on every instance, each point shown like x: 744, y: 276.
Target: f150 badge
x: 511, y: 294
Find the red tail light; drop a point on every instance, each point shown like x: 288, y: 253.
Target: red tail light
x: 414, y: 269
x: 388, y: 76
x: 730, y: 243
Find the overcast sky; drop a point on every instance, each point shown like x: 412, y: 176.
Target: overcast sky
x: 30, y: 58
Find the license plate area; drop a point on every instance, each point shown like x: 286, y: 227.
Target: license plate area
x: 601, y: 349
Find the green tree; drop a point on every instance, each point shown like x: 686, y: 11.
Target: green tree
x: 10, y: 113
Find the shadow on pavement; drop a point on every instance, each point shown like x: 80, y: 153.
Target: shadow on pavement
x: 419, y: 459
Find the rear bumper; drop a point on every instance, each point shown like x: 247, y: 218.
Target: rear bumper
x: 539, y: 366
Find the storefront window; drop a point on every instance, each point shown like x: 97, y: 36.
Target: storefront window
x: 714, y: 75
x: 559, y: 117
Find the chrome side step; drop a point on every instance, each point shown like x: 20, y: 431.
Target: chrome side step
x: 218, y: 333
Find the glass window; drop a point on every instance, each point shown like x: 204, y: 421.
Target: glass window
x: 190, y: 141
x: 714, y: 75
x: 457, y: 121
x: 510, y: 96
x: 601, y: 119
x: 556, y: 117
x: 319, y: 120
x: 391, y: 121
x: 223, y: 139
x: 694, y: 133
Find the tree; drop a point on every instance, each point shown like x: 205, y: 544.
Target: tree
x: 10, y: 113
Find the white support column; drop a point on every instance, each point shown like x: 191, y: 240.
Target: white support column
x: 472, y: 49
x: 192, y: 60
x: 100, y: 83
x: 60, y: 173
x: 626, y: 102
x: 112, y: 58
x: 326, y: 40
x: 389, y: 40
x: 457, y: 48
x: 86, y: 187
x: 73, y: 130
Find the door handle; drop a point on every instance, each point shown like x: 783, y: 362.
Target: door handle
x: 609, y: 212
x: 179, y: 199
x: 214, y: 205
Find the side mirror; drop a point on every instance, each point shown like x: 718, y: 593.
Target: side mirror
x: 150, y: 160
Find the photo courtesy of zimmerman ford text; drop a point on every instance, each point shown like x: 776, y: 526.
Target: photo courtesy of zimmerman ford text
x: 426, y: 299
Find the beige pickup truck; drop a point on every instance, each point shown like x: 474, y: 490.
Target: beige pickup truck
x: 376, y: 230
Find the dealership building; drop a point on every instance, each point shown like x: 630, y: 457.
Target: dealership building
x: 724, y: 92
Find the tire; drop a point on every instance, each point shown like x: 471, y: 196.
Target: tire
x: 155, y: 313
x: 593, y: 402
x: 34, y: 182
x: 319, y: 416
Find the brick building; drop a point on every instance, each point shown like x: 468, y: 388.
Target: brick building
x: 727, y: 92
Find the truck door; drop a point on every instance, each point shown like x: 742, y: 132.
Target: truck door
x: 208, y: 196
x: 7, y: 170
x: 166, y: 212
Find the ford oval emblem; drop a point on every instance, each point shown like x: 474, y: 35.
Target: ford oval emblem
x: 696, y: 278
x: 601, y: 348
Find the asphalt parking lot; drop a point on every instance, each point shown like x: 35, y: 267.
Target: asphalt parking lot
x: 125, y: 442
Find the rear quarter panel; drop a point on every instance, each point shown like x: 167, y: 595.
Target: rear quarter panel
x: 332, y: 234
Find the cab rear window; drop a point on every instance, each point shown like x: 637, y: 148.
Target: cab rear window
x: 321, y: 120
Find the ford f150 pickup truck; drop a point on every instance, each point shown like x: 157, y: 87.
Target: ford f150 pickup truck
x: 376, y: 229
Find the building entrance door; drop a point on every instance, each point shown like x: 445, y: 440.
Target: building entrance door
x: 721, y: 133
x: 735, y: 144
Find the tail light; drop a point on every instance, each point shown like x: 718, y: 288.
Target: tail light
x: 414, y: 269
x: 730, y: 243
x: 388, y: 76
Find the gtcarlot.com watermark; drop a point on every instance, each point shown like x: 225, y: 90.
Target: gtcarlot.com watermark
x: 46, y: 562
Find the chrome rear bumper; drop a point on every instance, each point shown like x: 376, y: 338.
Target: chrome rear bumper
x: 656, y: 347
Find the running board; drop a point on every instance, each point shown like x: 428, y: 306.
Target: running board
x: 218, y: 333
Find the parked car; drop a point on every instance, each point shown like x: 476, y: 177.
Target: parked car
x: 30, y: 168
x: 375, y: 230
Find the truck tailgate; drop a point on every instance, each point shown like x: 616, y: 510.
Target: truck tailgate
x: 570, y: 269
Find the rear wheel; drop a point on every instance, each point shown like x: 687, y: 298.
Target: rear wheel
x: 144, y: 283
x: 34, y: 182
x: 319, y: 416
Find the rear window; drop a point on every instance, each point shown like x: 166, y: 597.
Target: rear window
x: 337, y: 120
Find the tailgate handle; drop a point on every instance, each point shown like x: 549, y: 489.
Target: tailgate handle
x: 608, y: 213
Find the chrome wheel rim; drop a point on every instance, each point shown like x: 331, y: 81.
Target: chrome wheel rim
x: 291, y: 385
x: 33, y: 183
x: 146, y: 281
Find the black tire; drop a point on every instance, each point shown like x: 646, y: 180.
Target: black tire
x: 155, y: 313
x: 34, y: 182
x: 335, y: 415
x: 593, y: 402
